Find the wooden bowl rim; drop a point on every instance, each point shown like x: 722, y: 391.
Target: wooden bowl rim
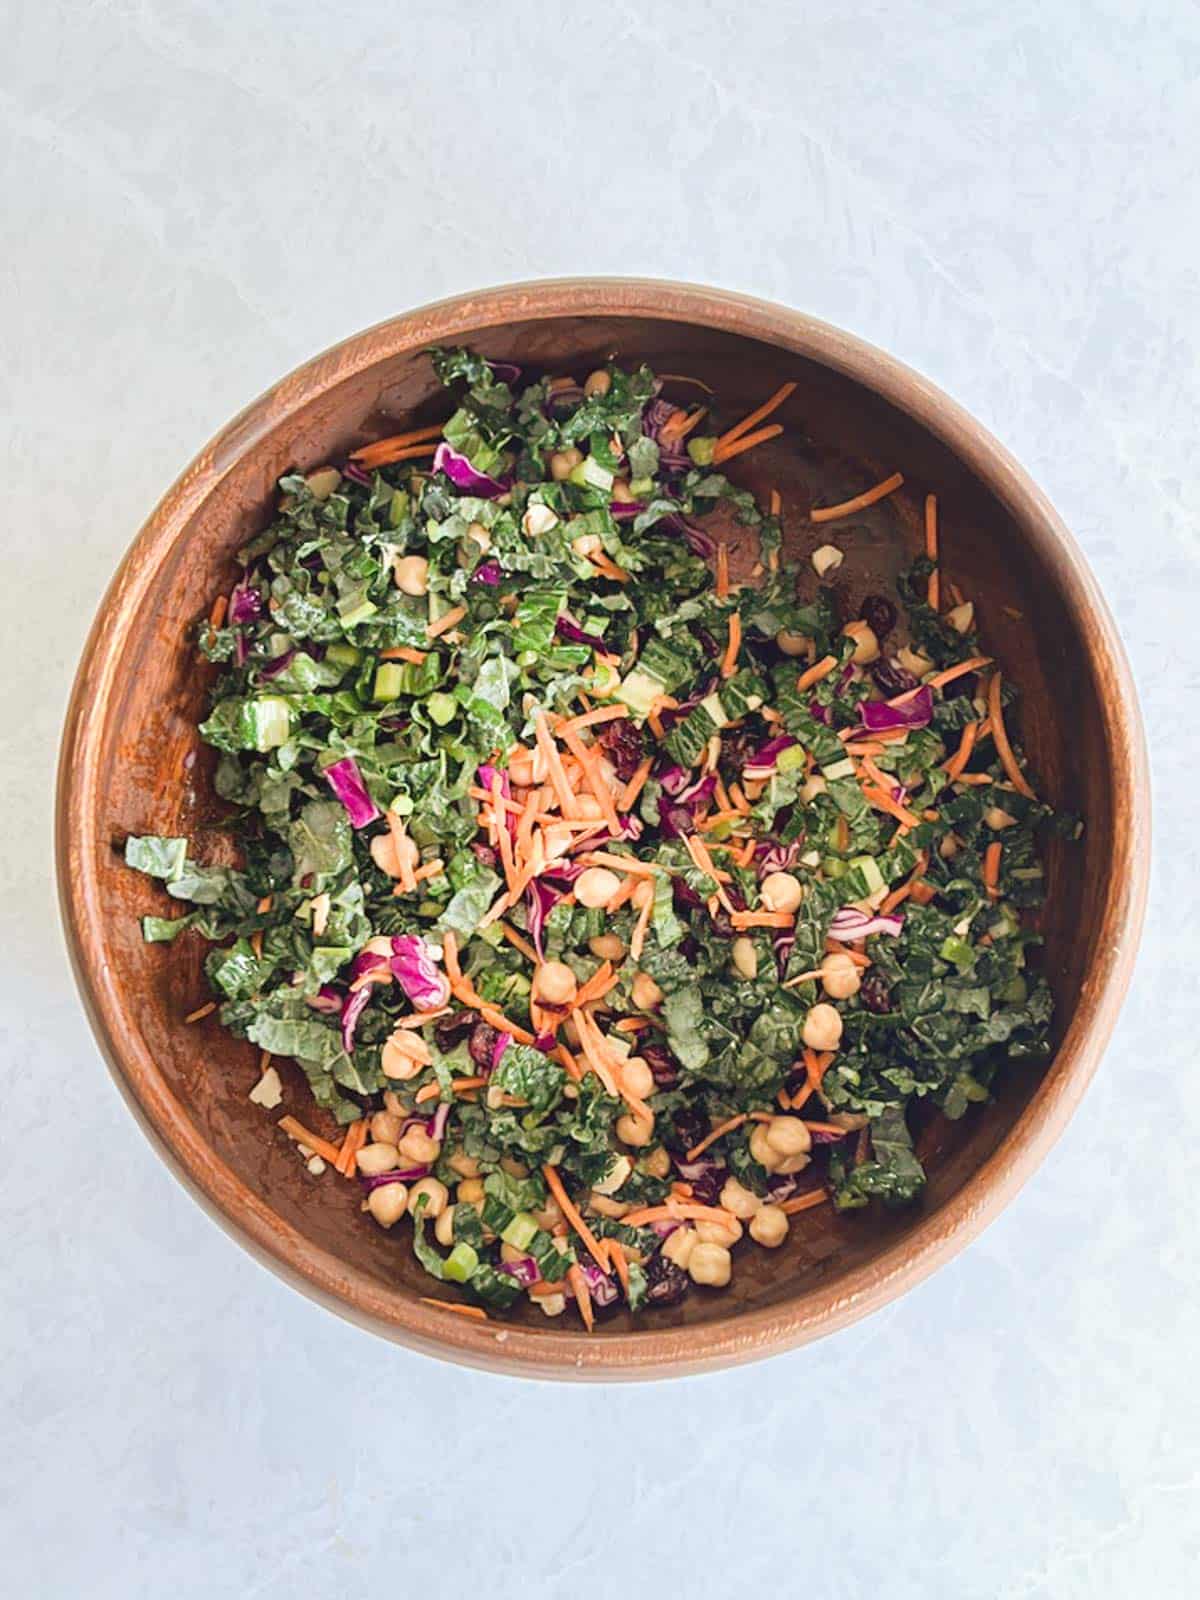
x: 750, y: 1334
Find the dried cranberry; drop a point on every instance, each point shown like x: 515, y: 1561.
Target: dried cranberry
x: 706, y: 1189
x: 879, y: 614
x: 666, y: 1284
x: 707, y: 643
x: 675, y: 820
x: 690, y: 1126
x: 452, y: 1030
x: 876, y: 992
x: 795, y: 1081
x: 484, y: 853
x: 483, y: 1043
x: 689, y: 949
x: 624, y: 746
x: 892, y: 679
x: 661, y: 1063
x: 685, y: 895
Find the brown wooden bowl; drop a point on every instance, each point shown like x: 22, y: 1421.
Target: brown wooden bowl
x: 132, y: 763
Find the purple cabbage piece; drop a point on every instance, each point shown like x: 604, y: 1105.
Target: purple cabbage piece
x: 656, y: 414
x: 489, y: 572
x: 674, y: 779
x: 767, y: 755
x: 819, y: 712
x: 568, y: 628
x: 365, y: 961
x: 661, y: 1063
x: 505, y: 371
x: 706, y: 1175
x: 677, y: 816
x: 326, y: 999
x: 820, y: 1136
x: 563, y: 398
x: 277, y: 664
x: 526, y: 1271
x: 783, y: 944
x: 502, y: 1042
x: 245, y: 604
x: 482, y: 1045
x: 546, y: 1043
x: 376, y: 1180
x: 621, y: 510
x: 878, y: 716
x: 464, y: 476
x: 484, y: 774
x: 240, y: 648
x: 420, y: 977
x: 771, y: 856
x: 624, y: 744
x: 351, y: 1012
x: 356, y: 474
x: 603, y: 1289
x: 699, y: 542
x: 346, y: 781
x: 540, y: 900
x: 851, y: 923
x: 437, y: 1123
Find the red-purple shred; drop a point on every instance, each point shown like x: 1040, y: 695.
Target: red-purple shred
x: 346, y: 781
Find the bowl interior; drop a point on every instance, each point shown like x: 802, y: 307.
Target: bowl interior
x: 840, y: 437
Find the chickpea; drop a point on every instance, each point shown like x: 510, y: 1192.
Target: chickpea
x: 386, y: 1204
x: 790, y: 1164
x: 558, y: 840
x: 678, y: 1246
x: 538, y: 519
x: 913, y: 661
x: 416, y: 1146
x: 724, y: 1233
x: 769, y: 1227
x: 480, y: 535
x: 826, y: 559
x: 606, y: 1206
x: 587, y: 544
x: 552, y: 1305
x: 404, y: 1054
x: 466, y: 1166
x: 840, y: 976
x: 586, y: 805
x: 554, y: 983
x: 637, y: 1078
x: 323, y: 482
x: 962, y: 618
x: 656, y: 1163
x: 792, y: 644
x: 434, y: 1193
x: 549, y: 1217
x: 411, y: 574
x: 524, y: 767
x: 781, y: 892
x: 607, y: 946
x: 996, y: 818
x: 385, y: 1127
x: 376, y: 1158
x: 822, y: 1027
x: 396, y: 1104
x: 762, y: 1150
x: 745, y: 957
x: 737, y: 1198
x: 621, y: 493
x: 643, y: 894
x: 470, y: 1192
x: 564, y: 462
x: 390, y: 856
x: 949, y: 847
x: 645, y: 993
x: 443, y: 1226
x: 711, y: 1264
x: 515, y: 1169
x: 788, y: 1136
x: 812, y: 787
x: 866, y: 645
x: 596, y: 886
x: 598, y: 382
x: 636, y: 1129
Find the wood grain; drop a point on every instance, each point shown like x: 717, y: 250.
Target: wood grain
x: 131, y: 762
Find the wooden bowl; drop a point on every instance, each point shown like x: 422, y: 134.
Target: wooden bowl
x: 132, y: 763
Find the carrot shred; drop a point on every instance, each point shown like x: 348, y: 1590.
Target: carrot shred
x: 1000, y: 734
x: 759, y: 414
x: 954, y: 766
x: 681, y: 424
x: 518, y: 943
x: 860, y: 501
x: 804, y: 1202
x: 677, y: 1211
x: 635, y: 785
x: 401, y: 842
x: 940, y: 679
x: 729, y: 659
x: 609, y: 568
x: 558, y: 778
x: 201, y: 1012
x: 882, y: 801
x: 450, y: 956
x: 404, y: 652
x: 775, y: 503
x: 616, y: 1254
x: 762, y: 919
x: 722, y: 586
x: 923, y: 893
x: 445, y: 622
x: 591, y: 719
x: 746, y: 442
x: 597, y: 986
x: 589, y: 762
x: 991, y: 868
x: 583, y: 1298
x: 933, y: 592
x: 802, y: 1096
x: 356, y: 1137
x: 302, y: 1135
x: 815, y: 673
x: 605, y: 858
x: 430, y: 430
x: 719, y: 1132
x: 476, y: 1313
x: 219, y: 607
x: 567, y: 1206
x: 815, y: 1065
x: 900, y: 894
x: 637, y: 940
x: 430, y: 869
x: 256, y: 944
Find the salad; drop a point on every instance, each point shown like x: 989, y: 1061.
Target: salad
x: 611, y: 909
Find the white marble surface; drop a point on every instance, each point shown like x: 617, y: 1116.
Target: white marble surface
x: 195, y: 197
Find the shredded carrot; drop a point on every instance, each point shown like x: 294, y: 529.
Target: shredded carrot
x: 775, y: 503
x: 635, y: 785
x: 933, y: 593
x: 632, y: 1025
x: 558, y: 778
x: 476, y: 1313
x: 882, y: 801
x: 219, y: 607
x: 637, y: 940
x: 616, y: 1254
x: 722, y: 587
x: 430, y: 869
x: 450, y: 955
x: 432, y: 1090
x: 583, y: 1298
x: 591, y: 719
x: 746, y: 855
x: 860, y: 501
x: 609, y: 568
x: 201, y: 1012
x: 940, y: 679
x: 954, y: 766
x: 402, y: 846
x: 404, y: 652
x: 814, y: 674
x: 589, y: 762
x: 747, y: 442
x: 597, y: 986
x: 356, y: 1137
x: 1000, y: 734
x: 518, y: 943
x: 605, y: 858
x: 681, y: 424
x: 626, y: 892
x: 762, y: 919
x: 718, y: 1132
x: 815, y: 1065
x: 430, y: 430
x: 264, y: 905
x: 991, y: 868
x: 678, y: 1211
x: 729, y: 659
x: 899, y: 895
x: 804, y: 1202
x: 445, y: 622
x: 759, y: 414
x: 654, y: 722
x: 567, y: 1207
x: 256, y: 944
x: 568, y: 1062
x: 302, y: 1135
x: 863, y: 1146
x: 802, y: 1096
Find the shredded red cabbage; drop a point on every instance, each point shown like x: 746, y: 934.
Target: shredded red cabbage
x: 376, y: 1180
x: 419, y: 975
x: 526, y: 1270
x: 568, y: 628
x: 356, y: 474
x: 603, y: 1290
x: 277, y: 664
x: 346, y: 781
x: 878, y: 716
x: 351, y: 1012
x: 464, y: 476
x: 851, y: 923
x: 623, y: 509
x: 489, y: 572
x: 766, y: 756
x: 503, y: 1040
x: 505, y: 371
x: 245, y: 604
x: 326, y: 999
x: 485, y: 772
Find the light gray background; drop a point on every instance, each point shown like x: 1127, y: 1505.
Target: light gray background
x: 194, y: 198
